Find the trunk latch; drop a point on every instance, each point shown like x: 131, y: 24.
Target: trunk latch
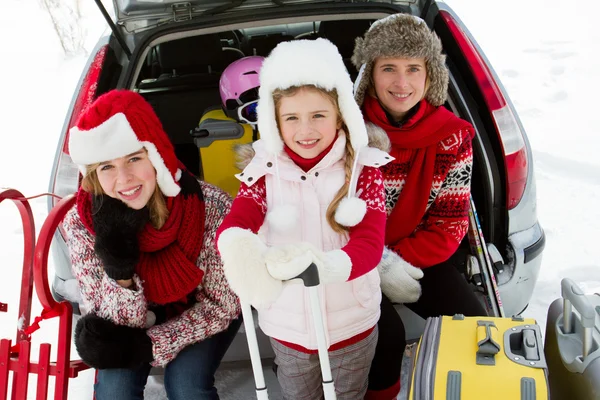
x: 182, y: 11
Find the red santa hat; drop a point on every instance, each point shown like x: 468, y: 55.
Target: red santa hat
x: 119, y: 123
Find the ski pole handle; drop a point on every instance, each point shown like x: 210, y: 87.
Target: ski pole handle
x: 310, y: 276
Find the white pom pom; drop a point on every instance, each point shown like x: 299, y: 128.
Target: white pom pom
x: 350, y: 211
x: 283, y: 218
x: 150, y: 319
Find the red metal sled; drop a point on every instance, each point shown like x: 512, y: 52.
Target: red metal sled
x: 35, y: 270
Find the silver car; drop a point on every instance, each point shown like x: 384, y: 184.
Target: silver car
x: 173, y: 53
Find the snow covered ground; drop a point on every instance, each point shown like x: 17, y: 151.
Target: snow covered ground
x: 541, y: 49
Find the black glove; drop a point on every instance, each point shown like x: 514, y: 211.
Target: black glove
x: 117, y: 227
x: 101, y: 344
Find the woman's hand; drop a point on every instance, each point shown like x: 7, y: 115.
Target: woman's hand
x: 116, y: 226
x: 126, y: 283
x: 399, y: 279
x: 102, y: 344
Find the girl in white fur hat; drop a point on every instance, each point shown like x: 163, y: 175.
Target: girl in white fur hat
x: 311, y: 193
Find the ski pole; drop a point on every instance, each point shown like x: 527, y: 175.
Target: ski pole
x: 483, y: 256
x: 310, y: 277
x: 259, y: 377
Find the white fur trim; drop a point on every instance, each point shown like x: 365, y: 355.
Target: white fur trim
x: 115, y: 138
x: 307, y: 62
x: 287, y: 261
x: 165, y: 180
x: 350, y: 211
x: 290, y: 260
x: 372, y: 157
x: 111, y: 139
x: 283, y: 218
x: 243, y: 256
x: 336, y: 268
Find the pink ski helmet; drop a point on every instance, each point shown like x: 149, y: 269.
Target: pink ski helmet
x: 238, y: 87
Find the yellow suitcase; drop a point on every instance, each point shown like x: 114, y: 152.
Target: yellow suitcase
x: 216, y: 137
x: 468, y: 358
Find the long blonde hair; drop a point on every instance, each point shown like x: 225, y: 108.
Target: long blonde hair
x: 157, y: 204
x: 331, y: 95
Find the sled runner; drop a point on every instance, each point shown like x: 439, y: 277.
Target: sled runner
x: 464, y: 358
x: 573, y: 344
x: 15, y: 360
x: 310, y: 277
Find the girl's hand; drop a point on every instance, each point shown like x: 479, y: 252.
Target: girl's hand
x: 243, y: 256
x: 288, y: 261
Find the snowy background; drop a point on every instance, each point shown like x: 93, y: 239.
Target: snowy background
x: 542, y: 51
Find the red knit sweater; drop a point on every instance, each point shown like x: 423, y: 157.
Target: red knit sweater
x: 445, y: 221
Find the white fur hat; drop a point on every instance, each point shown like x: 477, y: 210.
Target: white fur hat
x: 307, y: 62
x: 319, y: 63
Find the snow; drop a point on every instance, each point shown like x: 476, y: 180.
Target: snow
x: 541, y: 49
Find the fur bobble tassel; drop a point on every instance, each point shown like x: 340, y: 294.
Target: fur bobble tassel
x: 283, y: 218
x: 350, y: 211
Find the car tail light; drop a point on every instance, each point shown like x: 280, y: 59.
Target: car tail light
x: 66, y: 179
x: 509, y: 131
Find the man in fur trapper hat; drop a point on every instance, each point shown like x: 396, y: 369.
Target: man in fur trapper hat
x: 401, y: 88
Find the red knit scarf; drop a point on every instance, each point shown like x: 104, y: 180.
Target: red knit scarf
x: 168, y: 256
x: 422, y: 134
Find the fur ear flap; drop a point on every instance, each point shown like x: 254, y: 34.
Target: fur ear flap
x: 350, y: 211
x: 378, y: 138
x: 243, y: 154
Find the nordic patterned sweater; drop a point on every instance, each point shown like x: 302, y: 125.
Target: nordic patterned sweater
x: 446, y: 218
x: 216, y: 306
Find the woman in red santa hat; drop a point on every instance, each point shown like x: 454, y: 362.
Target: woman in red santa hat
x: 141, y: 239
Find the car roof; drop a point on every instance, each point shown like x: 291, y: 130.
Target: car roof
x: 135, y: 15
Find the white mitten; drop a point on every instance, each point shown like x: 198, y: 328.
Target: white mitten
x: 288, y: 261
x: 399, y: 279
x: 243, y: 255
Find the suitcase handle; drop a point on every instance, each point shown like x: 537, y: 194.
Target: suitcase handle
x: 573, y: 296
x: 487, y: 342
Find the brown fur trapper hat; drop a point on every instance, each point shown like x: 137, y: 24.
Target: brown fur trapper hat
x: 404, y: 36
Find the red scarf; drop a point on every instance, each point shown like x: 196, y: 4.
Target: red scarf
x: 168, y: 256
x: 429, y: 126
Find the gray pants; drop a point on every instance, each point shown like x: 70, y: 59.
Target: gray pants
x: 299, y: 373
